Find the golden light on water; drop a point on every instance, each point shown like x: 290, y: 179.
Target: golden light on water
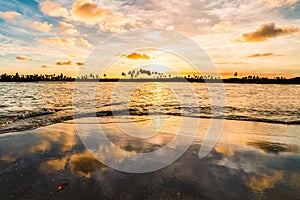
x: 152, y: 99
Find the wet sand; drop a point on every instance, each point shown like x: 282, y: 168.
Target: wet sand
x: 251, y: 160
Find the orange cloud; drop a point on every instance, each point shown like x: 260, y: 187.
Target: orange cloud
x: 137, y: 56
x: 266, y: 31
x: 262, y: 55
x: 41, y: 26
x: 53, y: 9
x: 64, y: 63
x: 88, y: 11
x: 68, y: 29
x: 80, y: 63
x: 57, y: 41
x: 45, y: 66
x: 9, y: 15
x: 23, y: 58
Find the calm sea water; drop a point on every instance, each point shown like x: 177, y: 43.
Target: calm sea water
x: 25, y: 106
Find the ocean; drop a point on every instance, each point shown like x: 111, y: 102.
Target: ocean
x: 25, y: 106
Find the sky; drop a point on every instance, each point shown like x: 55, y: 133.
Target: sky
x: 259, y: 37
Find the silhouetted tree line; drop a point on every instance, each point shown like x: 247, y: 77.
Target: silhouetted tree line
x: 262, y: 80
x: 159, y: 75
x: 34, y: 77
x: 134, y: 75
x: 138, y: 73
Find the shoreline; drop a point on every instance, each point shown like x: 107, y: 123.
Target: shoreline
x: 251, y: 160
x: 109, y: 114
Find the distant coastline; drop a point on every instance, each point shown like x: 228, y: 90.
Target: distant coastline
x: 191, y: 80
x: 198, y: 79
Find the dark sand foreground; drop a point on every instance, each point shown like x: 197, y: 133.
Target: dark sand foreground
x: 251, y: 161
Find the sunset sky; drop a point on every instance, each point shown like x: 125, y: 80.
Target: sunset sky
x: 260, y: 37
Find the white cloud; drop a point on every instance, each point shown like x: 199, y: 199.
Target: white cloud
x: 67, y: 28
x: 89, y: 12
x: 41, y: 26
x: 221, y: 27
x: 118, y: 24
x: 53, y: 9
x: 277, y: 3
x: 84, y: 42
x: 9, y: 15
x: 64, y: 42
x: 57, y: 41
x: 190, y: 16
x: 170, y: 28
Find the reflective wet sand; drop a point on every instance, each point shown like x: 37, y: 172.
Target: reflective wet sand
x: 251, y: 161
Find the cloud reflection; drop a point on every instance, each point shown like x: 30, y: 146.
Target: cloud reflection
x: 52, y: 166
x: 265, y: 181
x: 84, y: 164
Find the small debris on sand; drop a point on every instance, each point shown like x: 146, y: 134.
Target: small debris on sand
x: 61, y: 186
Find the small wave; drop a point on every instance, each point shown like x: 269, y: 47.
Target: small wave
x: 47, y: 117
